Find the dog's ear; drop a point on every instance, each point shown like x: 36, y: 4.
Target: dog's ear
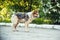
x: 35, y: 11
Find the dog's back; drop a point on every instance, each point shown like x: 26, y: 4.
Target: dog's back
x: 22, y: 16
x: 19, y: 16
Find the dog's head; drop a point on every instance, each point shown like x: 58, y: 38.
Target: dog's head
x: 35, y: 13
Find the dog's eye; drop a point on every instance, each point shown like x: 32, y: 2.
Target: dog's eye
x: 36, y: 14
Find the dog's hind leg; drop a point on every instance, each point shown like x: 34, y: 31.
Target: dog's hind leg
x: 15, y: 26
x: 14, y: 21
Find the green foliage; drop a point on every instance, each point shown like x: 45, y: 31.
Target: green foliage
x: 22, y: 5
x: 52, y: 10
x: 8, y: 6
x: 49, y: 10
x: 7, y: 20
x: 42, y: 21
x: 38, y: 21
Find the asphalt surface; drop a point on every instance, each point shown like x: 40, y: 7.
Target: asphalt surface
x: 6, y: 33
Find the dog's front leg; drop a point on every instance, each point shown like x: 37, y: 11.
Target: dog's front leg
x: 26, y: 26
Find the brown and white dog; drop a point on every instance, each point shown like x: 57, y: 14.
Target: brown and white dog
x: 26, y: 18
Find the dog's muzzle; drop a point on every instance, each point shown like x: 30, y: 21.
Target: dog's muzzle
x: 37, y: 16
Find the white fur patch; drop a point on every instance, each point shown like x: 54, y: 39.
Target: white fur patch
x: 14, y: 19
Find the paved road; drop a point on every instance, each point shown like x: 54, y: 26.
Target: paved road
x: 33, y: 34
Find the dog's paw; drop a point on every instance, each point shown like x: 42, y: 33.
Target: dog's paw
x: 15, y: 30
x: 26, y: 30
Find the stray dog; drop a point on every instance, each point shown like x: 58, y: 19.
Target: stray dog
x: 26, y: 18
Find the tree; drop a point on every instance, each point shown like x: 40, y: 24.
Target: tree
x: 52, y: 10
x: 18, y: 6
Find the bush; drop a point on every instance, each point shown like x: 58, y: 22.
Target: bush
x: 42, y: 21
x: 38, y: 21
x: 0, y: 19
x: 47, y: 21
x: 7, y: 20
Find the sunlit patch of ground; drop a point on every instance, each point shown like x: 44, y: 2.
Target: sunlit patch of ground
x: 6, y: 33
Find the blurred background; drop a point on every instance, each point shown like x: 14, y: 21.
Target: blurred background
x: 49, y: 10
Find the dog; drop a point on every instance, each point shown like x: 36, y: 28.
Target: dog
x: 26, y: 18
